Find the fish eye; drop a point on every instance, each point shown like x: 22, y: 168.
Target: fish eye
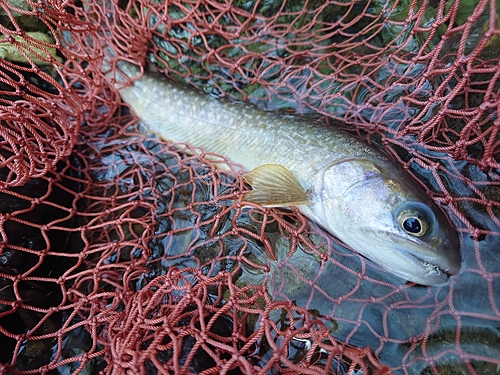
x: 413, y: 225
x: 415, y: 221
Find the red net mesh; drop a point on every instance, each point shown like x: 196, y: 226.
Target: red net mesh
x: 124, y: 254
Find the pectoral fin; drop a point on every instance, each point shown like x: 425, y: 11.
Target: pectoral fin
x: 274, y: 186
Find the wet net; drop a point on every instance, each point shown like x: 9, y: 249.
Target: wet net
x: 121, y: 253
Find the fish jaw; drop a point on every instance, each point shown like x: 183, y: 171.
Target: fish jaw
x: 410, y: 261
x: 432, y: 272
x: 362, y: 202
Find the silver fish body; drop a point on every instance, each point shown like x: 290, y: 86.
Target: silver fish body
x: 346, y: 186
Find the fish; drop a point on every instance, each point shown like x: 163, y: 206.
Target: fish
x: 351, y: 189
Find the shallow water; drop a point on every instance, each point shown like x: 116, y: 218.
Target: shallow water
x: 454, y: 328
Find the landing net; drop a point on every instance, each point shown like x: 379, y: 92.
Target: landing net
x: 121, y: 253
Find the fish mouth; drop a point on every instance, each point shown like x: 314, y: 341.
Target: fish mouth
x: 434, y: 274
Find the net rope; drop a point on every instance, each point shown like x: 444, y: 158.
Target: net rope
x: 122, y: 253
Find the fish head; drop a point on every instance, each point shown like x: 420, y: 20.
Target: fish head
x: 380, y: 212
